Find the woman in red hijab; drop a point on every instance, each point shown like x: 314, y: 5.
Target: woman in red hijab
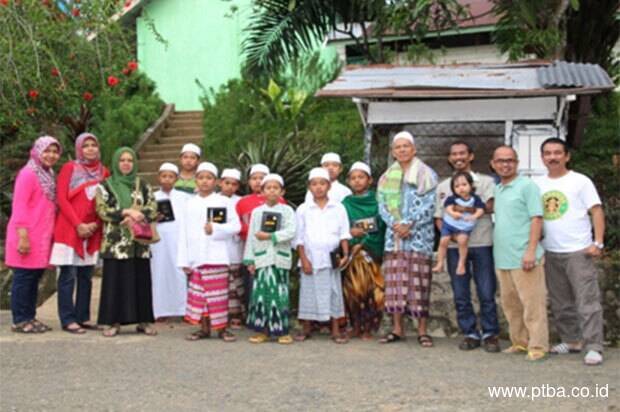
x: 77, y: 234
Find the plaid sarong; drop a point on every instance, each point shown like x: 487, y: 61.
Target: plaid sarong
x: 407, y: 283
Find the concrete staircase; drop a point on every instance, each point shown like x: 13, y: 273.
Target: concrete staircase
x: 182, y: 127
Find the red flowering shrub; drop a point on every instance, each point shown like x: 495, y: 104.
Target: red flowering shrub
x: 87, y: 96
x: 113, y: 81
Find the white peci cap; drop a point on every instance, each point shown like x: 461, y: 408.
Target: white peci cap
x: 331, y: 157
x: 272, y: 177
x: 192, y: 148
x: 318, y: 172
x: 405, y: 135
x: 361, y: 166
x: 169, y: 167
x: 259, y: 168
x: 231, y: 174
x: 207, y: 167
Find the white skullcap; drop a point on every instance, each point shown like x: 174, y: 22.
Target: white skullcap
x: 169, y: 167
x: 273, y: 177
x: 404, y: 135
x: 231, y: 174
x: 331, y: 157
x: 259, y: 168
x: 318, y: 172
x: 360, y: 166
x: 207, y: 167
x: 192, y: 148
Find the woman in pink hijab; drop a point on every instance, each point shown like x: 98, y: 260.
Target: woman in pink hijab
x: 77, y: 235
x: 29, y: 232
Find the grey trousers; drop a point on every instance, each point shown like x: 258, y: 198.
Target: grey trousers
x: 572, y: 284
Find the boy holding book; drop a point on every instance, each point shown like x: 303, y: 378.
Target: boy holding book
x: 169, y: 283
x: 207, y: 225
x: 363, y: 282
x: 190, y: 157
x: 322, y: 229
x: 229, y: 183
x: 268, y: 258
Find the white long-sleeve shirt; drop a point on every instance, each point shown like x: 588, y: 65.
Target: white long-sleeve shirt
x: 321, y: 230
x: 196, y: 248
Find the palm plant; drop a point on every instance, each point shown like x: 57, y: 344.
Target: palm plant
x: 292, y: 157
x: 282, y: 30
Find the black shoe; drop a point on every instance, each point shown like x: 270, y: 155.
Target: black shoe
x: 491, y: 344
x: 469, y: 344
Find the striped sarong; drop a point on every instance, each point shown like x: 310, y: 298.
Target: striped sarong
x: 207, y: 296
x: 407, y: 283
x: 236, y: 309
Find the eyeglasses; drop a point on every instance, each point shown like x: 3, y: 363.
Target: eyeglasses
x: 504, y: 161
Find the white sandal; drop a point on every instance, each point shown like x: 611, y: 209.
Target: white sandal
x: 593, y: 358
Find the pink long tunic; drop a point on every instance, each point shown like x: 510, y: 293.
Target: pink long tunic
x: 35, y: 212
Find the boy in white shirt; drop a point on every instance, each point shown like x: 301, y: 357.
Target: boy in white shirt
x: 203, y: 255
x: 169, y: 283
x: 229, y: 183
x: 322, y: 227
x: 337, y: 191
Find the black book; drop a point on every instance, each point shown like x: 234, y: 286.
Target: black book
x: 336, y: 256
x: 164, y: 207
x: 368, y: 224
x: 216, y: 214
x: 271, y: 222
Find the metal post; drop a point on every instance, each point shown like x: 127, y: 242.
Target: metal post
x: 367, y: 143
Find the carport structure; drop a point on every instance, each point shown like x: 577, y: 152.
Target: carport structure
x: 518, y: 104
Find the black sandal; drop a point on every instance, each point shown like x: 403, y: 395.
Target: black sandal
x: 391, y: 338
x: 76, y: 331
x: 40, y: 326
x: 198, y: 335
x: 24, y: 327
x: 226, y: 336
x: 425, y: 341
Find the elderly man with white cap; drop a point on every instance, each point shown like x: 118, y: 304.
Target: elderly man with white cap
x: 189, y: 159
x: 406, y: 195
x: 337, y: 191
x: 169, y: 283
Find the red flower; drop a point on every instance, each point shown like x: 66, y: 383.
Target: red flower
x: 88, y: 96
x: 4, y: 2
x: 126, y: 71
x: 75, y: 11
x: 46, y: 3
x: 128, y: 3
x: 113, y: 81
x: 132, y: 65
x: 55, y: 72
x: 33, y: 94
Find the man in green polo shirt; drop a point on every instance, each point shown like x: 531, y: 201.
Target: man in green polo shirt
x: 518, y: 257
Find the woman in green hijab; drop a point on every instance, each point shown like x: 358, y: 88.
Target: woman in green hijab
x: 122, y: 200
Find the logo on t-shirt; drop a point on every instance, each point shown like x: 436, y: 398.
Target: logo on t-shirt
x: 555, y: 205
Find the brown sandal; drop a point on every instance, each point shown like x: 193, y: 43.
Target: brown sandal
x: 198, y: 335
x: 24, y: 327
x: 111, y: 331
x: 302, y: 337
x: 425, y: 341
x: 147, y: 329
x: 226, y: 336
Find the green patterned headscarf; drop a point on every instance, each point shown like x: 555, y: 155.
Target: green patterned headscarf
x: 122, y: 185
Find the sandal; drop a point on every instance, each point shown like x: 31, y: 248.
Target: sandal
x: 40, y: 326
x: 259, y: 338
x: 340, y: 339
x: 226, y: 336
x: 285, y: 340
x: 89, y: 326
x: 593, y: 358
x: 425, y: 341
x: 111, y: 331
x: 563, y: 349
x: 78, y: 330
x: 391, y: 338
x: 198, y: 335
x: 515, y: 349
x: 24, y: 327
x: 535, y: 355
x: 147, y: 329
x: 235, y: 324
x: 302, y: 337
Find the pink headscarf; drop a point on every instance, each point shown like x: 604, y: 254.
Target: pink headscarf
x: 45, y: 174
x: 85, y: 171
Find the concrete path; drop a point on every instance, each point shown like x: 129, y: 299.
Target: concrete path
x: 59, y: 371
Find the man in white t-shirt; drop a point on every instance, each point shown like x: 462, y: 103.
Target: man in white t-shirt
x: 570, y: 201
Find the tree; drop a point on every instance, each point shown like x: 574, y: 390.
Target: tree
x: 282, y: 30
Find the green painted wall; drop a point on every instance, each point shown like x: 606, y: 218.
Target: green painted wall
x: 203, y: 42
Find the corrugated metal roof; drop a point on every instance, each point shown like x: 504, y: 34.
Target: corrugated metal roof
x: 564, y: 74
x: 521, y: 79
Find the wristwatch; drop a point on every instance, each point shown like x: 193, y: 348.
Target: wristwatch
x: 598, y: 245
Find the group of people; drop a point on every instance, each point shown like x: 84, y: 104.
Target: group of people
x: 196, y: 249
